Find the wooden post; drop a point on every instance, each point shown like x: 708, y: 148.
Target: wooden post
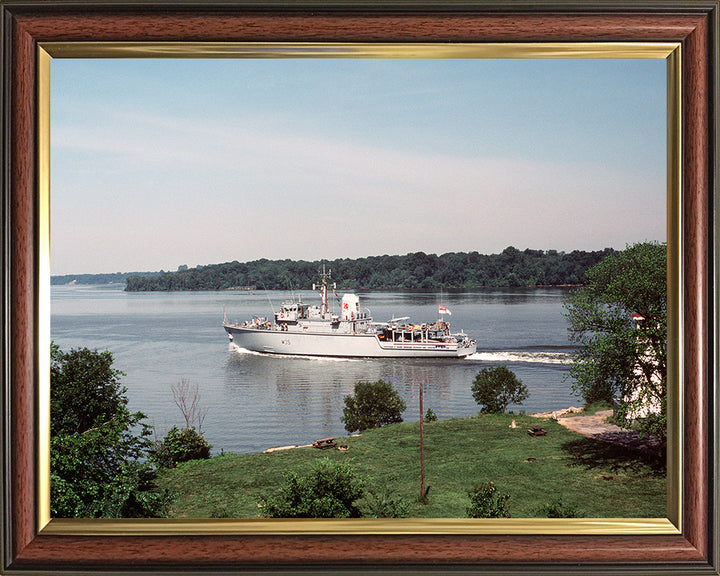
x: 422, y: 449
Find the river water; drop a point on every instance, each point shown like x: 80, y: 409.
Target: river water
x: 255, y: 401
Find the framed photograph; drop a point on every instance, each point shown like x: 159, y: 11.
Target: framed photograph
x: 113, y: 37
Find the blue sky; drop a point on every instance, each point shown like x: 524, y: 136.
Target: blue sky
x: 159, y: 163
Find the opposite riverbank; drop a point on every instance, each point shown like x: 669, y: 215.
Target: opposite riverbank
x: 595, y: 477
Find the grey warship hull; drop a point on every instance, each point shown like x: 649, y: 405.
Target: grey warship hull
x: 299, y: 329
x: 270, y: 341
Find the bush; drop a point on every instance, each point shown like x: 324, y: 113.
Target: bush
x: 496, y: 388
x: 558, y: 509
x: 87, y: 482
x: 373, y: 405
x: 485, y: 502
x: 382, y: 501
x: 181, y: 446
x: 430, y: 415
x: 329, y: 491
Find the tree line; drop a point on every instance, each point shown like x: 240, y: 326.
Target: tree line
x: 103, y: 278
x: 415, y: 271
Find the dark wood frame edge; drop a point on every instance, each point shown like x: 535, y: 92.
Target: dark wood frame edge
x: 26, y: 23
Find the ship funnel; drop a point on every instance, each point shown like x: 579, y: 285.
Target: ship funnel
x: 350, y: 306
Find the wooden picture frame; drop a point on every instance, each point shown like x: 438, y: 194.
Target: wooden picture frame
x: 31, y: 544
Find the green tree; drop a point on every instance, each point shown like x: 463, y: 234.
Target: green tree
x: 373, y: 405
x: 98, y: 447
x: 330, y: 490
x: 496, y: 388
x: 85, y: 389
x: 619, y: 319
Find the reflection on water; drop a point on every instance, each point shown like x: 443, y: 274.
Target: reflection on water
x: 305, y: 395
x: 256, y: 401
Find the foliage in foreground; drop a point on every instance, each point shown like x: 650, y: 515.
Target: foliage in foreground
x: 374, y: 404
x: 605, y: 480
x: 330, y: 490
x: 617, y: 357
x: 559, y: 509
x: 97, y: 459
x: 485, y: 502
x: 384, y: 501
x: 496, y: 388
x: 333, y: 490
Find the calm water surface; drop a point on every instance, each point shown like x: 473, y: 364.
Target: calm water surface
x: 256, y: 401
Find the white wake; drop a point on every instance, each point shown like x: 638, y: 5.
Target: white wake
x: 529, y: 357
x: 240, y: 350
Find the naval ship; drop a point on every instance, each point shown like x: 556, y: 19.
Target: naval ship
x: 300, y: 329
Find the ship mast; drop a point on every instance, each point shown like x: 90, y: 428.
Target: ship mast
x: 323, y: 291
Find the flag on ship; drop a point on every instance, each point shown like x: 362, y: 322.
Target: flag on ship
x: 443, y: 310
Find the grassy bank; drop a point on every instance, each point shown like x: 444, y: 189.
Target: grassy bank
x: 598, y: 479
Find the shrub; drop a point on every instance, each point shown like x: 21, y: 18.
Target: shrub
x: 494, y: 389
x: 485, y: 502
x: 430, y: 415
x: 181, y: 446
x: 557, y: 509
x: 382, y: 501
x: 373, y: 405
x: 329, y: 491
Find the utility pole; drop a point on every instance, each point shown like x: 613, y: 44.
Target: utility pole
x: 422, y: 450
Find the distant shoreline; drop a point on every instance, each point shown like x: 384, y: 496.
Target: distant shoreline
x: 383, y: 289
x: 418, y: 271
x: 95, y: 279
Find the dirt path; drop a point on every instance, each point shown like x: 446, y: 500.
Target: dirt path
x: 595, y: 426
x: 590, y: 425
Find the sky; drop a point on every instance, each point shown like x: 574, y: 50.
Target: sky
x: 161, y: 163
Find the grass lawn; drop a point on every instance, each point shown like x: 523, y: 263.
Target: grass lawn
x: 600, y: 480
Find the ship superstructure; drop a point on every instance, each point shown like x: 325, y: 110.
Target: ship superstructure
x: 315, y: 330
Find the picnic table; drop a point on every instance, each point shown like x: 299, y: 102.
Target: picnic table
x: 537, y: 431
x: 325, y: 443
